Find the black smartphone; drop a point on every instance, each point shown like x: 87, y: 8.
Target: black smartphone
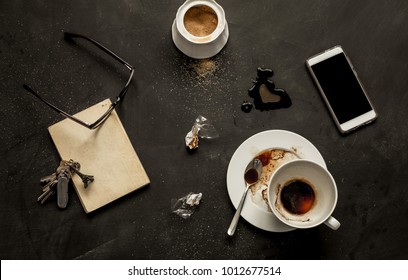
x: 341, y: 89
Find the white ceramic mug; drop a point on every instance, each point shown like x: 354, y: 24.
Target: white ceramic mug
x: 305, y: 208
x: 200, y: 46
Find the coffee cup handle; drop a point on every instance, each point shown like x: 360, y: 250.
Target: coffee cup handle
x: 332, y: 223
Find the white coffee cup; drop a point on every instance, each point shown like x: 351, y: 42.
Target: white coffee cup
x: 303, y: 194
x: 200, y: 47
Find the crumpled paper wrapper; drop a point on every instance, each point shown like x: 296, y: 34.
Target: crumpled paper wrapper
x: 202, y: 128
x: 185, y: 206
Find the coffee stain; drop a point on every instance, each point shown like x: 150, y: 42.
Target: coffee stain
x: 246, y: 106
x: 264, y: 93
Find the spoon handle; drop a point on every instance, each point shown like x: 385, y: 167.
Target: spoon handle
x: 234, y: 222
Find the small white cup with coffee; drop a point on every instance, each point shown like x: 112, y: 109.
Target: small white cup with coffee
x: 303, y: 194
x: 200, y: 29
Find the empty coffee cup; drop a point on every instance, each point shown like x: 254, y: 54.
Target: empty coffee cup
x: 200, y: 29
x: 303, y: 194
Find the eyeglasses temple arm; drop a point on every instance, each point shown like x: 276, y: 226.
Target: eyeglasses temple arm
x: 70, y: 35
x: 65, y: 114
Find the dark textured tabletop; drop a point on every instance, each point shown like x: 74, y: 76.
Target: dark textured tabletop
x: 167, y: 94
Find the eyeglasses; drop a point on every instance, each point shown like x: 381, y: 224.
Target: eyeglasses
x: 102, y: 119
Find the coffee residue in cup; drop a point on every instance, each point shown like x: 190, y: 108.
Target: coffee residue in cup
x: 297, y: 196
x: 200, y: 21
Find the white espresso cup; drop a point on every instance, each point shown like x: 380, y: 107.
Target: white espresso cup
x: 198, y: 12
x: 303, y: 194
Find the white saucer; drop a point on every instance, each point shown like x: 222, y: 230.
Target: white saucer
x: 280, y: 139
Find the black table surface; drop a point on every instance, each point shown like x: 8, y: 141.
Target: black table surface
x: 370, y: 165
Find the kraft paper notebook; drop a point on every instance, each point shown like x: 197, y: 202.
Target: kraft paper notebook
x: 106, y: 153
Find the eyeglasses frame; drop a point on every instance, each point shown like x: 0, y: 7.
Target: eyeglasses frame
x: 101, y: 120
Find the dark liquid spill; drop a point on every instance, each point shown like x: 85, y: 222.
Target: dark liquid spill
x: 264, y: 93
x: 297, y: 197
x: 246, y: 106
x: 265, y: 157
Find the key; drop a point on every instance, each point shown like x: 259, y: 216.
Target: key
x: 48, y: 178
x: 49, y: 185
x: 48, y: 190
x: 49, y: 182
x: 46, y: 196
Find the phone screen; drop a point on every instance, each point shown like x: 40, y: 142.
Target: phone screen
x: 341, y: 88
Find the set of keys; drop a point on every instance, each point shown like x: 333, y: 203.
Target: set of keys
x: 58, y: 181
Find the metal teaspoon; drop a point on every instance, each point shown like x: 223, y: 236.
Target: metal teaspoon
x: 252, y: 174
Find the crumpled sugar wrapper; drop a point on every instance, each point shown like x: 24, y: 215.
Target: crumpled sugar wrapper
x: 185, y: 206
x: 202, y: 128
